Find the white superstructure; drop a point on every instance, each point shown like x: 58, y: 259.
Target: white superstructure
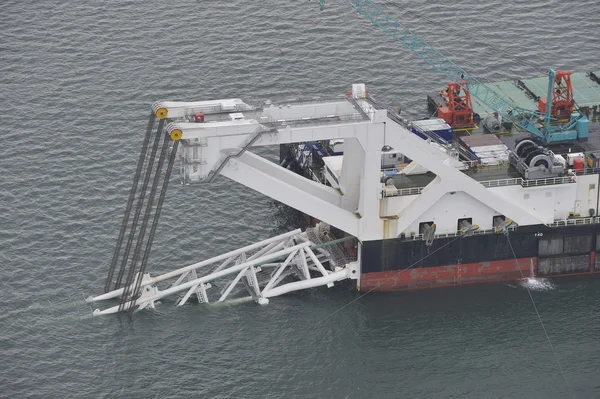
x: 362, y: 206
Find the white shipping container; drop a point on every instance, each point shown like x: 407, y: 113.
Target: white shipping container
x: 489, y: 161
x: 496, y: 147
x: 574, y: 155
x: 500, y: 153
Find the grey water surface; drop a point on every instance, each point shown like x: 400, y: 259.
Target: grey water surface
x: 77, y: 79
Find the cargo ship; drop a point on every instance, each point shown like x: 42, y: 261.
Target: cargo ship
x: 395, y: 204
x: 560, y: 238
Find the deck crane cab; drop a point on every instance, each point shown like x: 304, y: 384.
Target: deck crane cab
x: 546, y: 125
x: 458, y: 111
x: 561, y: 91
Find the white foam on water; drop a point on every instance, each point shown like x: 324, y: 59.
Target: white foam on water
x: 537, y: 284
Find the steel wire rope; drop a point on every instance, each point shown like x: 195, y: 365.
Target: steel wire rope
x: 132, y: 192
x: 386, y: 279
x: 540, y: 319
x: 128, y: 289
x: 154, y: 226
x: 139, y: 206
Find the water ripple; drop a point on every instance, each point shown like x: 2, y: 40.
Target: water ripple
x: 77, y: 79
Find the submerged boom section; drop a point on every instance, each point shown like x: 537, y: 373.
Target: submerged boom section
x: 289, y: 262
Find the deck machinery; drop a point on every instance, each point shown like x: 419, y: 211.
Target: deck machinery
x: 457, y: 108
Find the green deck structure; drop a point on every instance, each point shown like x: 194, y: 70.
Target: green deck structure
x: 510, y: 90
x: 585, y: 90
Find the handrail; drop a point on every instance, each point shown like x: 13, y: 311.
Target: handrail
x: 234, y: 153
x: 402, y: 191
x: 575, y: 222
x: 415, y: 237
x: 492, y: 184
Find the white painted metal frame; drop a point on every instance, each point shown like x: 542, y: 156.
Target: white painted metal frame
x: 354, y: 207
x: 288, y: 254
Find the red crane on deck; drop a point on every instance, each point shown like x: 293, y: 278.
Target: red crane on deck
x: 458, y: 111
x: 562, y: 97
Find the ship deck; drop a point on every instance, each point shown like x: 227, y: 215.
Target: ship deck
x: 501, y: 174
x: 525, y: 91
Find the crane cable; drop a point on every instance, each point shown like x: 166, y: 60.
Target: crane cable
x: 138, y: 209
x: 540, y: 318
x: 132, y: 193
x: 129, y: 289
x: 161, y: 199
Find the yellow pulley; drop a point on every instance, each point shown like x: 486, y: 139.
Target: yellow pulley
x: 161, y: 113
x: 176, y: 135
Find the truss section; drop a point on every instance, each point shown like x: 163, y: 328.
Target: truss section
x: 288, y: 262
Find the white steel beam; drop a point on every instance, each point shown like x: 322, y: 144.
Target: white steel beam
x: 452, y: 179
x: 288, y: 177
x: 304, y: 264
x: 316, y: 261
x: 304, y: 284
x: 262, y: 181
x: 119, y: 292
x: 179, y: 109
x: 279, y: 271
x: 183, y: 300
x: 226, y: 263
x: 427, y: 199
x: 253, y: 281
x: 212, y: 276
x: 352, y: 163
x: 235, y: 132
x: 268, y: 249
x: 232, y: 285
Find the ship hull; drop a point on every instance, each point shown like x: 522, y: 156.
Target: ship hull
x: 404, y: 264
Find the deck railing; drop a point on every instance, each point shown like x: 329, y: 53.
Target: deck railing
x: 548, y: 182
x: 414, y: 237
x: 402, y: 191
x: 492, y: 184
x: 575, y: 222
x: 501, y: 182
x: 557, y: 223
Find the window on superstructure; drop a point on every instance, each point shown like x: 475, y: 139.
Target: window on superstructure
x: 498, y: 220
x: 464, y: 223
x: 424, y: 227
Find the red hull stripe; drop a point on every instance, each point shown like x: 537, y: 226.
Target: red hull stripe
x: 503, y: 270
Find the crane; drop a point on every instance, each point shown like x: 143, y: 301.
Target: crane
x: 459, y: 109
x: 575, y: 128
